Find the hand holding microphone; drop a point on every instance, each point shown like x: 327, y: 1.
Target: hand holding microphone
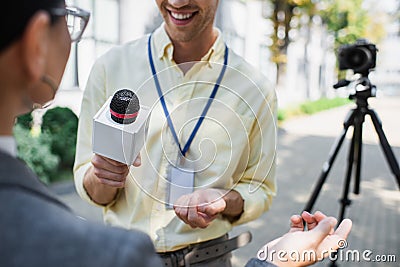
x: 119, y: 132
x: 110, y: 172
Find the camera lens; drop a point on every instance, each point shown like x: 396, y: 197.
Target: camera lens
x: 358, y: 57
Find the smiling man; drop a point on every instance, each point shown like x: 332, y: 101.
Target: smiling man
x: 209, y: 159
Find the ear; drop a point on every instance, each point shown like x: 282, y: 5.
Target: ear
x: 34, y: 45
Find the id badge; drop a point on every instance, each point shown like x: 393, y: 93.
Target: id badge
x: 180, y: 181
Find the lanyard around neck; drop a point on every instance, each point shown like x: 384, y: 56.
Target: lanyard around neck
x: 164, y: 105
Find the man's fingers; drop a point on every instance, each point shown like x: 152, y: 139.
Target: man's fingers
x: 181, y: 208
x: 112, y: 183
x: 184, y: 210
x: 138, y: 161
x: 114, y: 162
x: 212, y: 209
x: 103, y: 163
x: 207, y: 218
x: 108, y: 161
x: 202, y: 208
x: 194, y: 218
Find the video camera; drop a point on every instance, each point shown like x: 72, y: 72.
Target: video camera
x: 359, y: 57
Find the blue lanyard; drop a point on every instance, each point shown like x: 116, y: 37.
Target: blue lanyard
x: 164, y: 105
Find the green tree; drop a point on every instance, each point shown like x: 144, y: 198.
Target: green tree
x: 35, y: 151
x: 25, y: 120
x: 346, y: 20
x: 61, y: 125
x: 284, y: 11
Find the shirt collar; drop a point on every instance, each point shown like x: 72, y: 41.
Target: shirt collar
x: 165, y: 49
x: 8, y: 145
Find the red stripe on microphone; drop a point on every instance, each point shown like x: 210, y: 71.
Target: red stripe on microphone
x: 123, y: 116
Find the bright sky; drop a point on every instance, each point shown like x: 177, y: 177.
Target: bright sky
x: 385, y: 5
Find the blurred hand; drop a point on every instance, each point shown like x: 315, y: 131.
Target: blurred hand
x: 321, y: 239
x: 201, y: 207
x: 296, y: 221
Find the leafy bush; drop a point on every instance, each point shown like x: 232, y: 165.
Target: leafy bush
x: 35, y: 151
x: 61, y: 125
x: 25, y: 120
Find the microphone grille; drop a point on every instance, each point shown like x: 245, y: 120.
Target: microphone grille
x: 124, y: 106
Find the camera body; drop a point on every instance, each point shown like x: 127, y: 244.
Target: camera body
x: 359, y: 57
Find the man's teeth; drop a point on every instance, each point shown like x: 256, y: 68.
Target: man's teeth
x: 181, y: 16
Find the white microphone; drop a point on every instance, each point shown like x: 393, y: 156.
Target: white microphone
x: 120, y: 127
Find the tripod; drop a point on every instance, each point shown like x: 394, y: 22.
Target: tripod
x: 355, y: 118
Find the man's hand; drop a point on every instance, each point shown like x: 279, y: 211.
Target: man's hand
x: 104, y: 177
x: 110, y: 172
x: 320, y: 240
x: 201, y: 207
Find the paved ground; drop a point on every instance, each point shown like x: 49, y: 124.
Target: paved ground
x: 304, y: 144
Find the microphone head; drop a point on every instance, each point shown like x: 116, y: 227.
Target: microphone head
x: 124, y: 106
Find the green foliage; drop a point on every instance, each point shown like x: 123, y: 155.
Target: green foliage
x: 35, y: 151
x: 61, y: 125
x: 311, y: 107
x: 25, y: 120
x: 281, y: 115
x: 346, y: 19
x: 50, y: 152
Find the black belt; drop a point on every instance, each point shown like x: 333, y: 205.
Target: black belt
x: 200, y: 252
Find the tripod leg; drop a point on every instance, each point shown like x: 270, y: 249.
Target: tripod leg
x: 358, y: 130
x: 352, y: 160
x: 331, y: 158
x: 391, y: 159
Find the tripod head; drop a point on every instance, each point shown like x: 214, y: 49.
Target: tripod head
x: 364, y: 89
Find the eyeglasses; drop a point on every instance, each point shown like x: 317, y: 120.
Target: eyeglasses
x: 77, y: 20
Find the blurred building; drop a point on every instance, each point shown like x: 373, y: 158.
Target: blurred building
x: 245, y: 27
x: 243, y: 24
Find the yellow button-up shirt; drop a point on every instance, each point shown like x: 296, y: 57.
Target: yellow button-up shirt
x: 233, y: 149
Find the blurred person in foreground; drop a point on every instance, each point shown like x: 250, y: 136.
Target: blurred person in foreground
x: 36, y: 229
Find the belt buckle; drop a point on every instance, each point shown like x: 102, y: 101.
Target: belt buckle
x: 175, y: 258
x: 182, y: 256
